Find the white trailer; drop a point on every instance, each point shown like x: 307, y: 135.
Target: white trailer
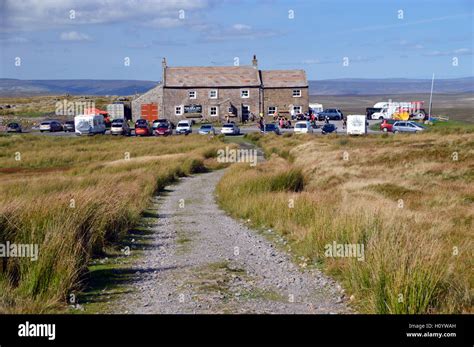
x: 89, y: 124
x: 316, y: 108
x: 356, y: 124
x: 116, y: 111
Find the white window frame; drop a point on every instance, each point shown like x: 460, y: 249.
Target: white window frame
x: 217, y: 111
x: 210, y: 94
x: 180, y: 113
x: 300, y: 109
x: 195, y: 94
x: 242, y: 91
x: 274, y: 112
x: 298, y: 93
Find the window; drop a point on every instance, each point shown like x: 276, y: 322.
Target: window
x: 297, y: 93
x: 213, y: 94
x: 272, y: 110
x: 213, y: 111
x: 178, y: 110
x: 192, y: 94
x: 297, y: 109
x: 244, y: 93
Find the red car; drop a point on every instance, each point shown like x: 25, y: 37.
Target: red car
x: 142, y: 128
x: 386, y: 125
x: 163, y: 129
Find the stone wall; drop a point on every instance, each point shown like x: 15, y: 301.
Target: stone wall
x: 154, y: 95
x: 173, y: 97
x: 283, y: 99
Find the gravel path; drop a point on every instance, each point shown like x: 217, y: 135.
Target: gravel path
x: 202, y: 261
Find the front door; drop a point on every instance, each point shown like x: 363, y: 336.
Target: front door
x: 245, y: 113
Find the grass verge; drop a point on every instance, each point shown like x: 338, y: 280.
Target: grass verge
x: 74, y: 197
x: 407, y: 199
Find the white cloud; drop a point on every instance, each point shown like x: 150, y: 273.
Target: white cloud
x: 236, y: 31
x: 241, y: 27
x: 74, y: 36
x: 455, y: 52
x: 30, y: 15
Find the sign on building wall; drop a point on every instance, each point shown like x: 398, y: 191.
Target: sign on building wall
x: 192, y: 109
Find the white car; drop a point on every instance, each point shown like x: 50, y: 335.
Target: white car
x: 303, y: 127
x: 184, y: 127
x: 230, y: 129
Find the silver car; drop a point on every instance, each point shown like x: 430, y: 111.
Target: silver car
x: 407, y: 127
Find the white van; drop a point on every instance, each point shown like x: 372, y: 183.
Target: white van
x: 356, y: 124
x: 89, y: 124
x: 184, y: 127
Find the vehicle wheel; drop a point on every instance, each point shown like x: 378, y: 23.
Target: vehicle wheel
x: 380, y: 118
x: 385, y: 130
x: 396, y: 132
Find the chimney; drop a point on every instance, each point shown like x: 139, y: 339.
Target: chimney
x: 255, y: 61
x: 163, y: 69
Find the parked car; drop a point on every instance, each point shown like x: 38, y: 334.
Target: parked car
x: 331, y: 114
x: 271, y: 128
x: 120, y: 126
x: 89, y: 124
x: 14, y: 128
x: 407, y: 127
x: 142, y: 128
x: 303, y: 127
x: 386, y: 125
x: 207, y: 129
x: 69, y: 126
x: 163, y: 129
x: 328, y: 128
x: 230, y: 129
x: 51, y: 125
x: 157, y: 122
x: 184, y: 127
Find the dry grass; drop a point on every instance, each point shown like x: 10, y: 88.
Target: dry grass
x: 72, y: 197
x: 403, y: 197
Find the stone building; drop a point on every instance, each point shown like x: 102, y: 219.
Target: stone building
x: 219, y: 93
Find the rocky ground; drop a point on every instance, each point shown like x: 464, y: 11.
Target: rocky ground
x: 200, y: 260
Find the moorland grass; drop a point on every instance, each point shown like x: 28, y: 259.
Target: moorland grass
x: 75, y: 196
x: 403, y: 197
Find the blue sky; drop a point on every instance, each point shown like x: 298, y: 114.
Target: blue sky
x: 429, y: 37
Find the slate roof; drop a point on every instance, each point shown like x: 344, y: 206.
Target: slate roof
x: 212, y: 76
x: 284, y: 78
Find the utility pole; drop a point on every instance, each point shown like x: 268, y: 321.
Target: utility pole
x: 431, y: 98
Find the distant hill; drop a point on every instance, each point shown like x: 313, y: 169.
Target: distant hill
x: 346, y: 86
x: 14, y: 87
x: 360, y: 86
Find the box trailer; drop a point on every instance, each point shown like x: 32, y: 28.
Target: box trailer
x: 356, y: 124
x: 119, y: 110
x: 89, y: 124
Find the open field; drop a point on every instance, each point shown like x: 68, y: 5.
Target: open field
x: 458, y: 107
x: 75, y: 196
x: 408, y: 200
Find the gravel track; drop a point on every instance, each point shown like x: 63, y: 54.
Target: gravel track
x: 201, y: 260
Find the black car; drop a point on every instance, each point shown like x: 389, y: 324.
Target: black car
x: 331, y: 114
x: 271, y: 128
x: 69, y: 126
x: 328, y: 128
x: 13, y: 128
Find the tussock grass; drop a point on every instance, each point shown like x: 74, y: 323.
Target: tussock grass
x: 73, y: 197
x: 417, y: 259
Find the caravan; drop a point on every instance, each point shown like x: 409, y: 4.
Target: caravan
x: 89, y: 124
